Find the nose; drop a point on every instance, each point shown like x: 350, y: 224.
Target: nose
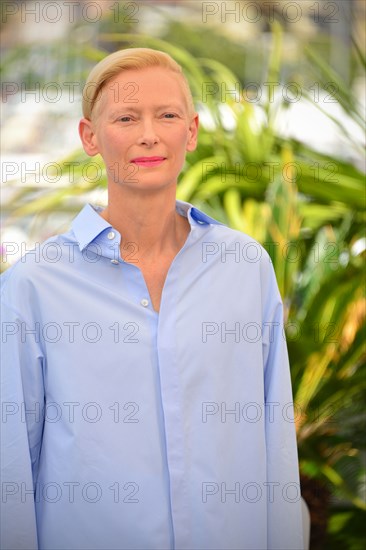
x: 148, y: 135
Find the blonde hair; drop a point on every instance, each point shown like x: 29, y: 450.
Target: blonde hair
x: 124, y: 60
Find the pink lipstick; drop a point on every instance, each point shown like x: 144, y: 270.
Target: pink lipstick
x: 148, y: 161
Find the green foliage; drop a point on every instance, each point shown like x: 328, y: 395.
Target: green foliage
x: 347, y: 530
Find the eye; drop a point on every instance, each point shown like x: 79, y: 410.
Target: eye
x: 169, y: 115
x: 125, y: 118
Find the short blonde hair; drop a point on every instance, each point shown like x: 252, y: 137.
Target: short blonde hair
x: 124, y: 60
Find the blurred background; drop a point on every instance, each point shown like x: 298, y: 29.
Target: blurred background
x: 280, y: 89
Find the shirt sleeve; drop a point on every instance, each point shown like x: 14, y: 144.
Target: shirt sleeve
x: 284, y: 520
x: 22, y: 399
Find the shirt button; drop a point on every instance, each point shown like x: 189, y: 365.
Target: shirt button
x: 111, y: 235
x: 144, y: 302
x: 114, y: 262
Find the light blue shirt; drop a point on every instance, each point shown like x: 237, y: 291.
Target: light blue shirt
x: 145, y: 430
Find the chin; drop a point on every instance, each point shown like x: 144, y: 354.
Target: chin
x: 149, y: 186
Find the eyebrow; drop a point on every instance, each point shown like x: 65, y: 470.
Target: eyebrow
x: 130, y: 109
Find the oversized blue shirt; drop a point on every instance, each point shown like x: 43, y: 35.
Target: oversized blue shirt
x: 124, y: 428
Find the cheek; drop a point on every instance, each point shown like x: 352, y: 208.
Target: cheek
x: 180, y: 139
x: 112, y: 142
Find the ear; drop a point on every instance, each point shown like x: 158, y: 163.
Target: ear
x: 193, y: 133
x: 88, y: 137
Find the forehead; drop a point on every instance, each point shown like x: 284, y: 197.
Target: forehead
x: 138, y: 88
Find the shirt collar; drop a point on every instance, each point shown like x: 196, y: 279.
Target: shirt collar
x: 193, y: 214
x: 88, y: 224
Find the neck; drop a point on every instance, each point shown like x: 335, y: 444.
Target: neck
x: 148, y: 220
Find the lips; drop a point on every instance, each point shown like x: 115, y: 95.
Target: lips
x: 148, y: 161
